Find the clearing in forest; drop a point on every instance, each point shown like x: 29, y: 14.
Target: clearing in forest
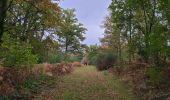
x: 86, y: 83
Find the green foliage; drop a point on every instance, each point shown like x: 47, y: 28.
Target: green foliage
x: 56, y: 58
x: 93, y: 60
x: 60, y: 57
x: 135, y: 26
x: 34, y: 31
x: 35, y: 83
x: 72, y: 32
x: 102, y: 58
x: 105, y: 60
x: 155, y: 75
x: 17, y: 54
x: 74, y: 59
x: 92, y: 54
x: 32, y: 86
x: 28, y: 23
x: 20, y: 55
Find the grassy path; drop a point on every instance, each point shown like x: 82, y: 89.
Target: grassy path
x: 86, y: 83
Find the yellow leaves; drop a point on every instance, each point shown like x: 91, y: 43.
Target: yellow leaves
x: 43, y: 5
x: 49, y: 12
x: 48, y: 5
x: 52, y: 11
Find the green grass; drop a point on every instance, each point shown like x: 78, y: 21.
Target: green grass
x: 86, y: 83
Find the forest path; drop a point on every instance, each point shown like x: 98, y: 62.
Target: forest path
x: 86, y: 83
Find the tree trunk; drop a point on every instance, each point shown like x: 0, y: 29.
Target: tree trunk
x: 120, y: 50
x: 130, y: 35
x: 66, y: 45
x: 3, y: 9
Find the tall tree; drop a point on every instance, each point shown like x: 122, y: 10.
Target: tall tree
x: 71, y: 32
x: 4, y: 4
x: 33, y: 22
x: 139, y: 21
x: 113, y: 37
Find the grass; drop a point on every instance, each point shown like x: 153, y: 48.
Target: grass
x: 86, y: 83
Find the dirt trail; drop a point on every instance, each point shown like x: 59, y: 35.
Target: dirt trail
x: 86, y: 83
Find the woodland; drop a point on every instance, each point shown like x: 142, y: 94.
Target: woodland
x: 42, y: 55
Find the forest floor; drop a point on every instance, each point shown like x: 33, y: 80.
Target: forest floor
x: 86, y: 83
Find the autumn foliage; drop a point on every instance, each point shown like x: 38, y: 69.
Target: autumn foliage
x: 11, y: 78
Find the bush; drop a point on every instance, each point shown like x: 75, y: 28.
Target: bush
x: 74, y: 59
x: 11, y: 79
x: 155, y: 75
x: 20, y: 55
x: 36, y: 83
x: 62, y: 68
x: 93, y: 60
x: 92, y: 54
x: 105, y: 61
x: 56, y: 58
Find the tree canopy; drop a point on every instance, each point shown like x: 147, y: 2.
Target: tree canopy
x: 41, y: 25
x: 142, y: 26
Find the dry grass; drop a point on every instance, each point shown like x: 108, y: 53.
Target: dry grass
x: 77, y: 64
x: 86, y: 83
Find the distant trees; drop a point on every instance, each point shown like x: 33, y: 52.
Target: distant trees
x: 71, y: 31
x: 101, y: 56
x: 93, y: 51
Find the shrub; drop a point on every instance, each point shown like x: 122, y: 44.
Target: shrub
x: 105, y: 61
x: 16, y: 53
x: 62, y: 68
x: 74, y: 59
x: 19, y: 55
x: 155, y: 75
x: 93, y: 60
x: 92, y: 54
x: 11, y: 79
x: 36, y: 83
x: 56, y: 58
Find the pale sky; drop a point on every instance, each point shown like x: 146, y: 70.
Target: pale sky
x: 90, y: 13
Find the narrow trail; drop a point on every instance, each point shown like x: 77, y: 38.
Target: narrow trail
x: 86, y: 83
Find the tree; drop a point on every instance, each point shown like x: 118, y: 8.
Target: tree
x: 92, y: 54
x: 71, y: 32
x: 34, y: 23
x: 4, y: 5
x: 113, y: 37
x: 139, y: 22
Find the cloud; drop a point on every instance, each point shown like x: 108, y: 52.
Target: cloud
x: 90, y: 13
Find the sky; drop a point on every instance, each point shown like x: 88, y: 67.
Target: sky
x: 90, y: 13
